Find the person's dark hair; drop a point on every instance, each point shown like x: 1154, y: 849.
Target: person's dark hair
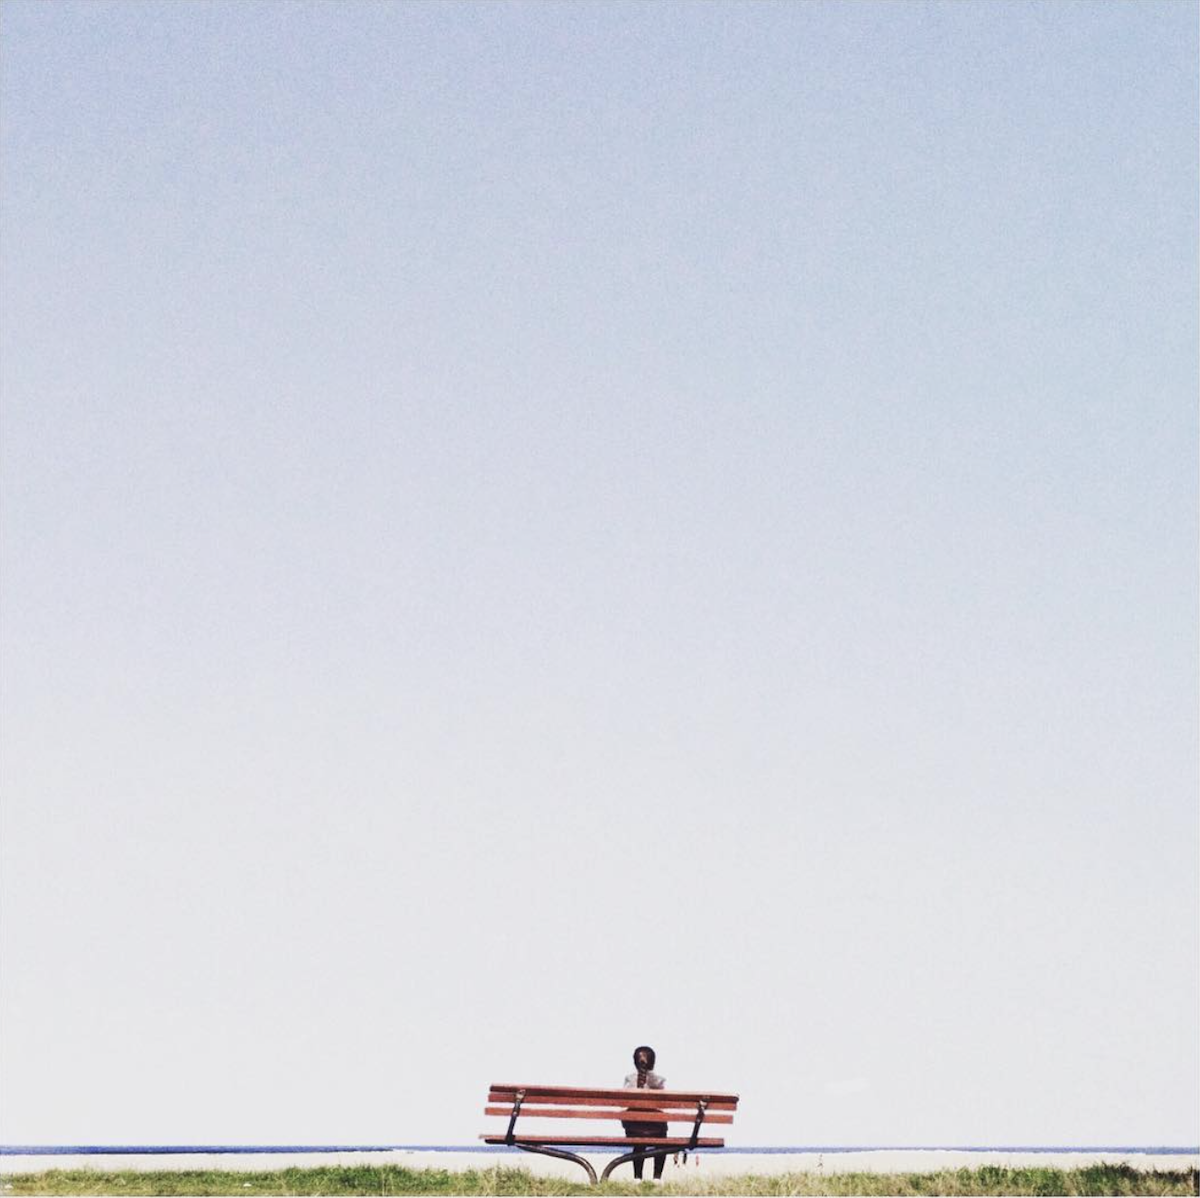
x: 642, y: 1071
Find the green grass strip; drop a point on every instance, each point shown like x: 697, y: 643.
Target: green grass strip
x: 394, y: 1179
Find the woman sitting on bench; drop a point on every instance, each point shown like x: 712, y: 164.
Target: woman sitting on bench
x: 645, y: 1079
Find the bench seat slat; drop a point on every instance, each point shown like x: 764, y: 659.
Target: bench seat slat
x: 611, y: 1141
x: 638, y: 1115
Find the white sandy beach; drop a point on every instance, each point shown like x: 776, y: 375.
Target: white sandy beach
x: 698, y: 1164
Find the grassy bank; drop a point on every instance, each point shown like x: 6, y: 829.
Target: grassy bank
x: 392, y: 1179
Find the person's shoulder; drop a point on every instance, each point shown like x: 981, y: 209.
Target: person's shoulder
x: 656, y: 1081
x: 631, y: 1081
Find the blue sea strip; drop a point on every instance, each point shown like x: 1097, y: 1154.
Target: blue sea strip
x: 246, y: 1149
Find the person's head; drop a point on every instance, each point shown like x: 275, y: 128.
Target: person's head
x: 643, y: 1057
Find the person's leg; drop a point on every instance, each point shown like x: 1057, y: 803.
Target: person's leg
x: 639, y: 1159
x: 659, y: 1161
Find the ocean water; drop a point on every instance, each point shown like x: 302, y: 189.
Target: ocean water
x: 241, y: 1149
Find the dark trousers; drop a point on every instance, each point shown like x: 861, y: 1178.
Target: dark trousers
x: 652, y: 1131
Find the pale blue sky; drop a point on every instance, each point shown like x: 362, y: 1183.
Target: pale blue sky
x: 487, y: 486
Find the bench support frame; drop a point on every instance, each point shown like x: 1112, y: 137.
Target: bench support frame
x: 649, y: 1155
x: 649, y: 1152
x: 563, y: 1155
x: 543, y: 1149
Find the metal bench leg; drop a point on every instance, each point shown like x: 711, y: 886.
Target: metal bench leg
x: 649, y: 1155
x: 565, y: 1156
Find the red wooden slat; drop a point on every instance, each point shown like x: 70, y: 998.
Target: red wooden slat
x: 633, y: 1098
x: 637, y: 1114
x: 505, y: 1092
x: 688, y: 1109
x: 609, y: 1141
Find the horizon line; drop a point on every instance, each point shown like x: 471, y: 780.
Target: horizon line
x: 234, y: 1149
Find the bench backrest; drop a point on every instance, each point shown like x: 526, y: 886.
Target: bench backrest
x: 569, y: 1102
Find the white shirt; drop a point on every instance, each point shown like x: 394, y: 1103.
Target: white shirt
x: 654, y: 1081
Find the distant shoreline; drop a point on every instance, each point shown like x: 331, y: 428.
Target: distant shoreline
x: 491, y: 1150
x: 792, y: 1149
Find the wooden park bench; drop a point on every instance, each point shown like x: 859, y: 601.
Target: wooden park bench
x: 699, y: 1108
